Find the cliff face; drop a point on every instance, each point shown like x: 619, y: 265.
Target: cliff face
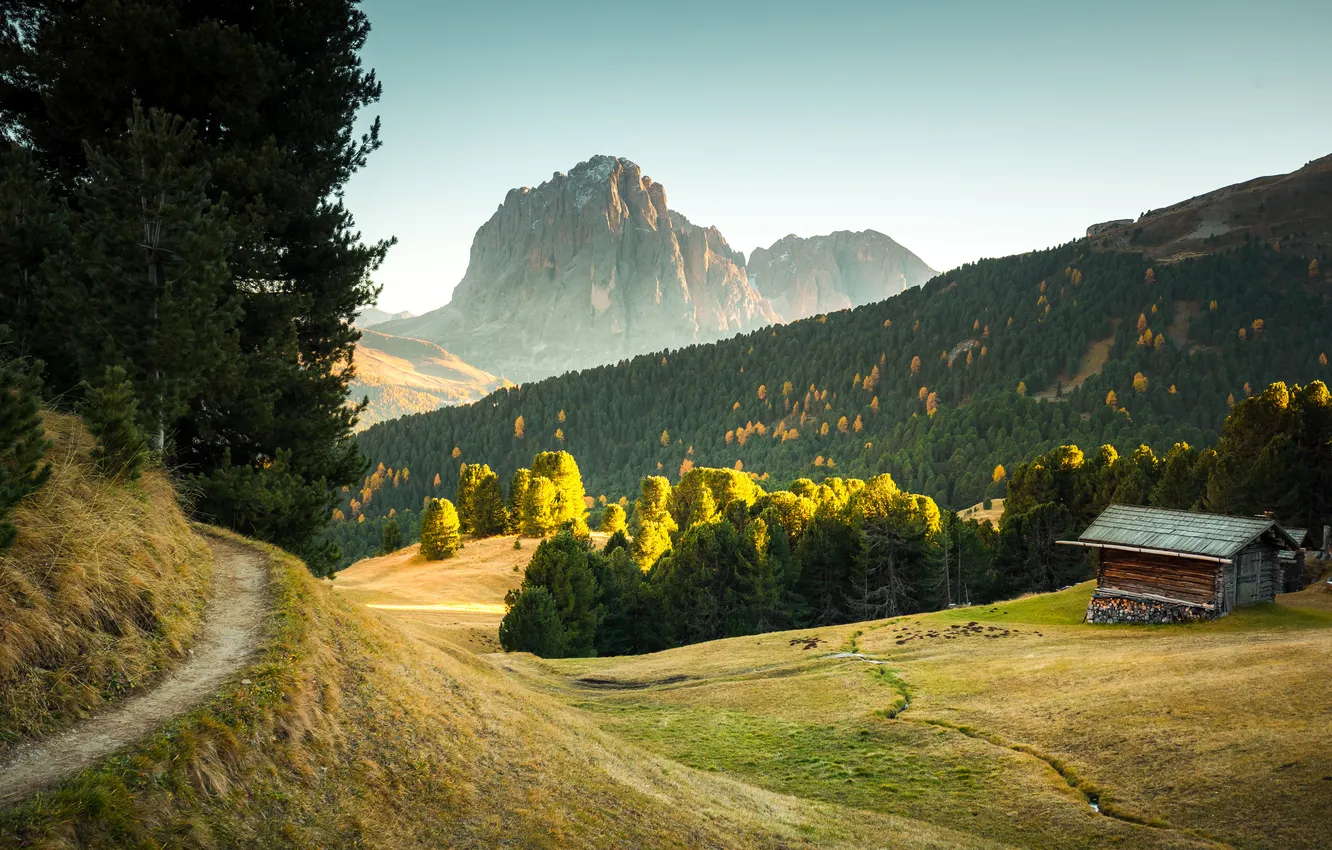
x: 587, y: 268
x: 804, y: 277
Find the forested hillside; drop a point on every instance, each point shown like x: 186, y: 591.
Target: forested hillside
x: 942, y: 387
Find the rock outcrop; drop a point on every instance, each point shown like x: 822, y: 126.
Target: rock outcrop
x: 588, y: 268
x: 804, y: 277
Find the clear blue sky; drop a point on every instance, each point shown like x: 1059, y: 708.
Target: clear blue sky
x: 962, y: 130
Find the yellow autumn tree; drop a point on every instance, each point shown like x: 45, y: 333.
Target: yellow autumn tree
x: 842, y: 425
x: 519, y: 428
x: 1022, y: 388
x: 730, y: 437
x: 560, y: 416
x: 823, y: 430
x: 1313, y: 269
x: 931, y: 404
x: 1112, y: 400
x: 924, y: 391
x: 999, y: 474
x: 1140, y: 382
x: 915, y: 365
x: 1322, y: 359
x: 559, y: 435
x: 436, y: 479
x: 665, y: 438
x: 858, y: 426
x: 1142, y: 322
x: 457, y: 452
x: 1150, y: 276
x: 762, y: 391
x: 874, y: 404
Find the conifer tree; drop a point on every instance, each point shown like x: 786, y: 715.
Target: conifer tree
x: 23, y: 441
x: 540, y: 513
x: 561, y: 470
x: 439, y: 530
x: 278, y: 146
x: 518, y: 485
x: 613, y: 519
x: 111, y: 411
x: 532, y: 624
x: 653, y: 523
x: 391, y: 537
x: 486, y: 505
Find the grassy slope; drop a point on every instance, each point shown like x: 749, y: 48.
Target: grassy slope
x: 1187, y: 736
x: 361, y: 727
x: 354, y: 729
x: 102, y: 591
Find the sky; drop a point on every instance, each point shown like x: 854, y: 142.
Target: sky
x: 961, y: 129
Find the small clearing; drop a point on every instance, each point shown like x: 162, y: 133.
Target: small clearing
x: 463, y: 595
x: 233, y: 620
x: 980, y: 513
x: 1093, y: 361
x: 1185, y: 313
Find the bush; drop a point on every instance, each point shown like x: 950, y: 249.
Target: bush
x: 23, y: 443
x: 440, y: 537
x: 533, y: 625
x: 112, y: 414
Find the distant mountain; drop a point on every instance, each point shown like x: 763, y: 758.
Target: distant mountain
x: 371, y: 316
x: 590, y: 267
x: 1294, y: 208
x: 803, y: 277
x: 402, y: 376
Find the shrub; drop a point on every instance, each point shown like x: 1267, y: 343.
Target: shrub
x: 439, y: 530
x: 23, y: 442
x: 533, y: 624
x: 112, y: 414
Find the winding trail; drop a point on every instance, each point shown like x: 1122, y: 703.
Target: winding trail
x: 232, y: 624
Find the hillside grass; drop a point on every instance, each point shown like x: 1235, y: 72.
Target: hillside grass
x: 356, y: 729
x: 101, y: 593
x: 1019, y: 717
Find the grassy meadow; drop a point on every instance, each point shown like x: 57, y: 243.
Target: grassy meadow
x: 1001, y: 723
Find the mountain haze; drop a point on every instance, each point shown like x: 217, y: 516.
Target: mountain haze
x: 803, y: 277
x: 400, y: 376
x: 588, y: 268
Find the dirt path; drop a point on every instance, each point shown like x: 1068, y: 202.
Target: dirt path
x: 233, y: 620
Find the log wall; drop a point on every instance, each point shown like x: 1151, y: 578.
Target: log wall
x: 1185, y: 579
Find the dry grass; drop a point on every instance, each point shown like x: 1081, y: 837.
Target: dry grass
x: 101, y: 592
x: 1092, y: 362
x: 1194, y: 736
x: 355, y: 730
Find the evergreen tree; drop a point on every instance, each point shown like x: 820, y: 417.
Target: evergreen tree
x: 111, y: 412
x: 518, y: 484
x: 532, y: 624
x: 439, y: 530
x: 612, y: 519
x: 562, y: 471
x: 561, y: 565
x: 391, y: 537
x: 1179, y: 486
x: 278, y: 148
x: 540, y: 514
x: 23, y: 442
x: 653, y: 523
x: 487, y: 505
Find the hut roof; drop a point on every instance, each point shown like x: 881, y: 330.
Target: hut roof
x: 1186, y: 532
x: 1299, y: 535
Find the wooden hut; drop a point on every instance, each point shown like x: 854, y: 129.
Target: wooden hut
x: 1292, y: 561
x: 1163, y: 566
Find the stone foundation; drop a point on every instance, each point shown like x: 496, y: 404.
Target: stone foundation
x: 1117, y: 609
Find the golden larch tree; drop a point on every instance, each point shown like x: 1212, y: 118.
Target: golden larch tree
x: 915, y: 365
x: 560, y: 416
x: 762, y: 392
x: 999, y: 474
x: 1140, y: 382
x: 1150, y: 276
x: 1112, y: 400
x: 842, y: 425
x: 665, y: 438
x: 519, y: 427
x: 457, y: 452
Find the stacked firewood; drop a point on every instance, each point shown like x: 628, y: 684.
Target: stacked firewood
x: 1116, y: 609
